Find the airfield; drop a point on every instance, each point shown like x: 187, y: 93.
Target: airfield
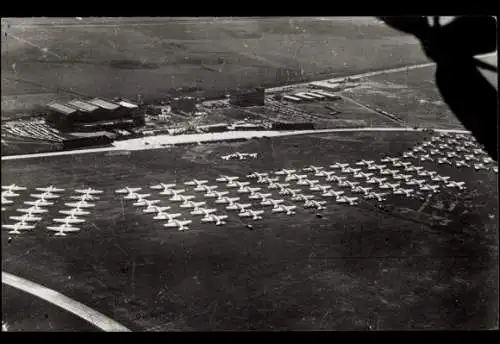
x: 418, y: 262
x: 364, y: 267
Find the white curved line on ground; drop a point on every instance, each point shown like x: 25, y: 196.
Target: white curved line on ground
x: 156, y: 141
x: 95, y: 318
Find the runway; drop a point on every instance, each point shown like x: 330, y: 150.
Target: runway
x: 155, y: 142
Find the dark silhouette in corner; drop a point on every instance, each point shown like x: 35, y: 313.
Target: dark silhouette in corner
x: 466, y: 91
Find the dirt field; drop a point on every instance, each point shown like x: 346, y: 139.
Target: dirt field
x: 151, y: 58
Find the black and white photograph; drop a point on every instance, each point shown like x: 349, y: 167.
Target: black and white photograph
x: 187, y: 174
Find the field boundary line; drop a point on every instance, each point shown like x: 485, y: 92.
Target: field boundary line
x: 86, y: 313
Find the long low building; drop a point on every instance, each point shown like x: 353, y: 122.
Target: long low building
x: 94, y: 114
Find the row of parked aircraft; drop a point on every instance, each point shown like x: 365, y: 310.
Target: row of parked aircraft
x: 454, y: 151
x: 239, y: 156
x: 77, y: 208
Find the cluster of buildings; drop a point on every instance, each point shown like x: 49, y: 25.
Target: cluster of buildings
x: 310, y: 96
x: 94, y: 115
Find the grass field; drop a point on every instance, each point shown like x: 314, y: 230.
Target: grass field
x: 154, y: 57
x: 356, y: 268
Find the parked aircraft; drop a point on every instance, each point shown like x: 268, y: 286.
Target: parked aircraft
x: 217, y: 219
x: 365, y: 163
x: 247, y: 189
x: 166, y: 216
x: 324, y: 173
x: 336, y: 179
x: 259, y: 195
x: 15, y: 228
x: 70, y: 219
x: 487, y: 160
x: 288, y: 191
x: 74, y: 211
x: 205, y: 188
x: 402, y: 191
x: 226, y: 200
x: 409, y: 155
x: 62, y: 229
x: 6, y: 201
x: 425, y: 173
x: 80, y: 204
x: 458, y: 185
x: 332, y: 193
x: 50, y: 188
x: 85, y: 197
x: 237, y: 184
x: 405, y: 177
x: 418, y: 182
x: 196, y: 182
x: 439, y: 178
x: 452, y: 154
x: 469, y: 157
x: 312, y: 168
x: 376, y: 167
x: 444, y: 161
x: 349, y: 200
x: 162, y: 186
x: 217, y: 194
x: 284, y: 172
x: 267, y: 180
x: 281, y: 208
x: 426, y: 157
x: 480, y: 166
x: 203, y: 211
x: 26, y: 218
x: 89, y: 191
x: 257, y: 175
x: 142, y: 202
x: 192, y: 204
x: 414, y: 168
x: 171, y: 192
x: 13, y: 187
x: 35, y: 209
x: 155, y: 209
x: 254, y: 214
x: 339, y: 166
x: 9, y: 193
x: 127, y: 190
x: 181, y: 198
x: 377, y: 196
x: 389, y: 159
x: 136, y: 196
x: 273, y: 202
x: 308, y: 182
x: 390, y: 186
x: 322, y: 188
x: 180, y: 224
x: 294, y: 176
x: 376, y: 180
x: 45, y: 195
x: 359, y: 189
x: 279, y: 186
x: 319, y: 205
x: 428, y: 187
x: 302, y: 198
x: 238, y: 206
x: 227, y: 179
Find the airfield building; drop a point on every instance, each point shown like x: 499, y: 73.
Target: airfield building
x: 248, y: 97
x: 183, y: 105
x: 93, y: 115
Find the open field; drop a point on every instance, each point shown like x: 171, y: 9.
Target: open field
x: 125, y: 58
x: 354, y: 268
x: 412, y: 95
